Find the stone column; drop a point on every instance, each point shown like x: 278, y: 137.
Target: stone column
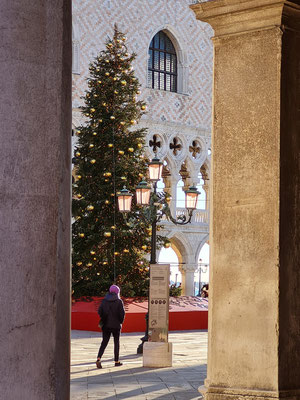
x: 35, y: 180
x: 188, y: 279
x: 205, y: 187
x: 171, y: 187
x: 254, y: 316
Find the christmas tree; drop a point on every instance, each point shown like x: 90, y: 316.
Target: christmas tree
x: 108, y: 248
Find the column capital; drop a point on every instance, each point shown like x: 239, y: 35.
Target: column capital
x: 189, y: 267
x: 229, y: 17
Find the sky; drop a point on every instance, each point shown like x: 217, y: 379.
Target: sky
x: 168, y: 256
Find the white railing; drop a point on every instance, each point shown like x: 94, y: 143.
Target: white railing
x: 199, y: 216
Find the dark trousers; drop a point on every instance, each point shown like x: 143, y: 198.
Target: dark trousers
x: 106, y: 332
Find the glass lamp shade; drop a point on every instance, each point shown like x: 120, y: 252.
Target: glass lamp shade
x: 191, y: 198
x: 143, y: 192
x: 124, y: 200
x: 155, y: 169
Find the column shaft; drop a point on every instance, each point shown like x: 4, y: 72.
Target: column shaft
x: 188, y: 280
x: 254, y: 318
x: 35, y: 199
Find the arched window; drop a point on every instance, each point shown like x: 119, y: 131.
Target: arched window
x: 162, y: 63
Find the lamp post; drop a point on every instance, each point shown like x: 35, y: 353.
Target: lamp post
x: 199, y: 289
x: 157, y: 206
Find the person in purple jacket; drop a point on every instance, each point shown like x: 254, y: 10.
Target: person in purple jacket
x: 112, y: 314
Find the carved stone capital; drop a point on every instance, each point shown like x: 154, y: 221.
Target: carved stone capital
x: 229, y: 17
x: 189, y: 268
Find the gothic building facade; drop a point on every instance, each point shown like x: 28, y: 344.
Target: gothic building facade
x: 174, y: 67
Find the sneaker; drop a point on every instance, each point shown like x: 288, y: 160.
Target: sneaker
x: 98, y: 364
x: 118, y: 364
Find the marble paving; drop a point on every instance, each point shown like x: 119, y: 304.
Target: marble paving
x: 132, y: 381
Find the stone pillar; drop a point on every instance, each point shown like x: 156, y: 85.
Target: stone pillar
x: 254, y: 316
x: 171, y: 187
x: 205, y: 187
x: 35, y: 180
x: 188, y: 279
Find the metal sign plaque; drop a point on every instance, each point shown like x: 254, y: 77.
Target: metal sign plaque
x: 159, y: 302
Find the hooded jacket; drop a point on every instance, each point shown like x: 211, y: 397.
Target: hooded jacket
x: 111, y: 311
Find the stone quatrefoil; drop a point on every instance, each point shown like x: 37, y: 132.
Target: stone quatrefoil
x: 175, y: 146
x: 194, y: 149
x: 155, y: 143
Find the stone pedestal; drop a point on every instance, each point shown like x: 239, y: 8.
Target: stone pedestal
x: 35, y: 181
x: 157, y: 354
x: 254, y: 316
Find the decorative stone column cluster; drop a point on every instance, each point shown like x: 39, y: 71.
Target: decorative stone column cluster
x: 254, y: 316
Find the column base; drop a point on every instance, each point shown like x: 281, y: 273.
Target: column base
x: 215, y: 393
x: 157, y: 354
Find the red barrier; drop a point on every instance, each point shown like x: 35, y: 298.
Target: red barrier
x: 186, y: 313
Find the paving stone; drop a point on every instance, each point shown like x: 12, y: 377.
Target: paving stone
x: 132, y: 381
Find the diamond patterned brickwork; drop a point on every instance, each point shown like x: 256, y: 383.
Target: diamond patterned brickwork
x: 140, y: 20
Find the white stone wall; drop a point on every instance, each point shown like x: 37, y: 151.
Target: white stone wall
x: 141, y: 19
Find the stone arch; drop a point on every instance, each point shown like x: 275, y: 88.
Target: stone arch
x: 182, y: 63
x: 201, y: 244
x: 172, y: 166
x: 181, y: 247
x: 192, y: 172
x: 205, y: 170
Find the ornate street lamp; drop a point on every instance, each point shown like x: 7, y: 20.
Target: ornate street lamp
x: 158, y: 206
x: 143, y: 191
x: 155, y: 169
x: 191, y: 198
x: 124, y: 200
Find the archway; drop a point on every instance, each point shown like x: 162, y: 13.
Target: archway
x: 203, y: 268
x: 169, y: 256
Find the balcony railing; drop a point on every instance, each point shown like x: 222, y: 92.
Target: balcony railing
x: 199, y: 216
